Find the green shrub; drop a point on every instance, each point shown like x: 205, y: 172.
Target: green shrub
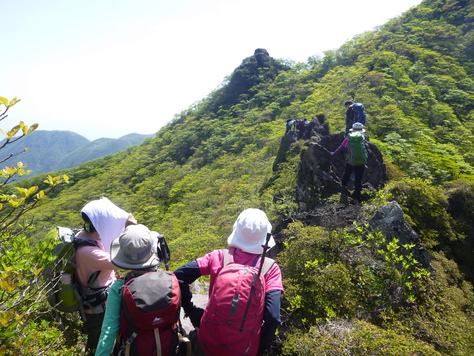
x: 356, y: 337
x: 317, y: 285
x: 425, y: 207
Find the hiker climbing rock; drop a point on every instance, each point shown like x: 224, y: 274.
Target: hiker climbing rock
x: 145, y: 294
x: 355, y: 113
x: 290, y: 125
x: 356, y: 159
x: 95, y: 272
x: 230, y: 326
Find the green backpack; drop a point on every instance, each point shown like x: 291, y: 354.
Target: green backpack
x: 64, y: 292
x: 357, y: 149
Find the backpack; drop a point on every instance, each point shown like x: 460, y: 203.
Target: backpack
x: 149, y: 315
x: 64, y: 292
x: 299, y: 124
x: 358, y: 113
x: 357, y: 150
x: 233, y: 317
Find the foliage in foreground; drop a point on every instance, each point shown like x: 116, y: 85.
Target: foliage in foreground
x: 356, y: 337
x: 24, y: 325
x: 357, y: 275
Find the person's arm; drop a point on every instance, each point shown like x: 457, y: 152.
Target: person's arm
x: 111, y: 323
x: 341, y: 147
x: 271, y: 319
x: 186, y: 275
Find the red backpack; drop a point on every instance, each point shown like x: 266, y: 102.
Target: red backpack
x: 149, y: 316
x: 233, y: 317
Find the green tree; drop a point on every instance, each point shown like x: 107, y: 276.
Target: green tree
x: 22, y: 290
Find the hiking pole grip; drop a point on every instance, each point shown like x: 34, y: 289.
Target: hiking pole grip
x: 265, y: 248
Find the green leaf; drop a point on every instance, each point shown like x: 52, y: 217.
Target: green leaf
x: 33, y: 128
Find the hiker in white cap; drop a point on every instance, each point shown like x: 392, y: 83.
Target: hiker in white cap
x: 246, y: 242
x: 103, y: 221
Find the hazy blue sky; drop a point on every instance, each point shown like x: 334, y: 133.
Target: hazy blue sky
x: 106, y: 68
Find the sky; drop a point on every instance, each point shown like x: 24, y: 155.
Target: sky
x: 107, y: 68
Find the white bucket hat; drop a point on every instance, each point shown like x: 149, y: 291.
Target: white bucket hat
x: 135, y: 249
x: 250, y: 231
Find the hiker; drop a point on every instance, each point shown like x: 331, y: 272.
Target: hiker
x: 94, y: 270
x: 246, y: 244
x: 290, y: 125
x: 300, y: 126
x: 355, y: 113
x: 356, y: 159
x: 136, y: 250
x: 308, y: 127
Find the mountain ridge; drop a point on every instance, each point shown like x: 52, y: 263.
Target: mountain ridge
x: 55, y: 150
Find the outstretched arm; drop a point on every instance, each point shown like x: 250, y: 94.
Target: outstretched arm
x: 186, y: 275
x: 341, y: 147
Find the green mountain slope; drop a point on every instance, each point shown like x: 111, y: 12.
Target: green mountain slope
x: 415, y: 76
x: 50, y: 151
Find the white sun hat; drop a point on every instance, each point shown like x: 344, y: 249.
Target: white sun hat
x: 250, y: 231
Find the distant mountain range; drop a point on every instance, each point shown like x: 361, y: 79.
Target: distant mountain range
x: 51, y: 151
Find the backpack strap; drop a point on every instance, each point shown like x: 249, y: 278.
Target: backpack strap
x: 228, y: 257
x: 267, y: 264
x: 157, y: 341
x: 129, y: 341
x: 84, y: 241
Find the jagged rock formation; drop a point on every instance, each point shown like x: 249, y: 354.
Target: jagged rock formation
x: 320, y: 173
x: 319, y: 176
x: 253, y: 70
x: 317, y: 127
x: 391, y: 222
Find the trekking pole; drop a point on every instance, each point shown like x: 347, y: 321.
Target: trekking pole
x: 265, y: 248
x: 255, y: 277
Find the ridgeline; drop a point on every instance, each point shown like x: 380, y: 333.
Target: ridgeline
x: 391, y: 275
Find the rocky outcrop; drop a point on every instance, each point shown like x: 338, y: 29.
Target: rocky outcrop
x: 390, y: 220
x: 316, y: 129
x: 319, y: 174
x: 252, y: 71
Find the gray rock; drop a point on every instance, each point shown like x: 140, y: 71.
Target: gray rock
x: 390, y: 220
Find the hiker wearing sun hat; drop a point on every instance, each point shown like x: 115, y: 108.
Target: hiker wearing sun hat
x: 135, y: 249
x: 251, y: 231
x: 144, y: 305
